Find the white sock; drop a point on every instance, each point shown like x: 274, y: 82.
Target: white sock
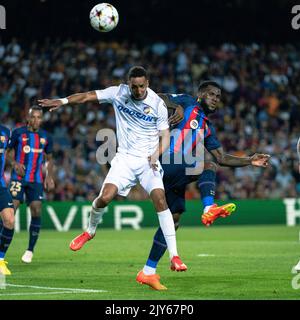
x: 167, y: 226
x: 95, y: 218
x: 149, y: 270
x: 206, y: 208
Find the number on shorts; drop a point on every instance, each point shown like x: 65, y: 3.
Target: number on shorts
x: 15, y: 186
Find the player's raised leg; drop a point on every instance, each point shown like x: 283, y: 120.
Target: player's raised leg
x: 6, y: 235
x: 206, y: 183
x: 107, y: 194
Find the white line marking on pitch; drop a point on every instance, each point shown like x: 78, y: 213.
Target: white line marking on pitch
x: 205, y: 255
x: 51, y: 288
x: 37, y: 293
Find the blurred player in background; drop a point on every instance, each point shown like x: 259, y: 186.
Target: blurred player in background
x: 27, y: 148
x: 297, y: 266
x: 140, y: 117
x: 175, y: 177
x: 6, y: 205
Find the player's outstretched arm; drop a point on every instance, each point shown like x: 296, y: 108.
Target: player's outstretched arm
x: 227, y: 160
x: 77, y: 98
x: 176, y: 109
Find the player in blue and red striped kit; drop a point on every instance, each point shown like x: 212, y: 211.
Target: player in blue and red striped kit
x: 6, y: 205
x: 28, y: 147
x: 183, y: 168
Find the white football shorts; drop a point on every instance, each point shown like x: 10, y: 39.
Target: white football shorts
x: 127, y: 170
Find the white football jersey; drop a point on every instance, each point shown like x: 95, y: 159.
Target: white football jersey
x: 138, y: 122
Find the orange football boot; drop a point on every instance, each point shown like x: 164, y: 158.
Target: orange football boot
x: 79, y: 241
x: 177, y: 264
x: 215, y: 211
x: 151, y: 280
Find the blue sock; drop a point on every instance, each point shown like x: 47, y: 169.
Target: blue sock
x: 34, y: 229
x: 6, y: 236
x: 158, y: 249
x: 206, y: 184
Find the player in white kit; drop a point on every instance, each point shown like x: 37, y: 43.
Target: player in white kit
x: 141, y: 117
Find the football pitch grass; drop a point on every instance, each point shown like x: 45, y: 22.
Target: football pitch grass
x: 225, y: 262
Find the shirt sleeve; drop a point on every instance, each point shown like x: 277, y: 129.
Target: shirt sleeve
x: 184, y: 100
x: 49, y: 146
x: 107, y: 95
x: 162, y: 119
x: 13, y: 141
x: 211, y: 141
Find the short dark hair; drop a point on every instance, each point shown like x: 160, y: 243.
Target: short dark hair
x: 137, y: 71
x: 204, y: 84
x: 35, y: 108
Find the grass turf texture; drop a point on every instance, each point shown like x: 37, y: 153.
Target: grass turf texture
x: 242, y: 263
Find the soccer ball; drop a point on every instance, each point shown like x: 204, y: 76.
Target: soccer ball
x: 104, y: 17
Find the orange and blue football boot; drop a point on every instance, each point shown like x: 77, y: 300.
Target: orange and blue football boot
x: 215, y: 212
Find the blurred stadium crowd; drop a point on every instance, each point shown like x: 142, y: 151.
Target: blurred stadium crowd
x: 259, y: 113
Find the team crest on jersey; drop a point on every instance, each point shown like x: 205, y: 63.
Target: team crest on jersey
x: 42, y: 141
x: 194, y: 124
x: 2, y: 139
x: 26, y: 149
x: 147, y: 110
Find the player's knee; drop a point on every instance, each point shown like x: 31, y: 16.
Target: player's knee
x: 161, y: 204
x: 209, y: 165
x: 103, y: 200
x: 9, y: 221
x: 35, y: 211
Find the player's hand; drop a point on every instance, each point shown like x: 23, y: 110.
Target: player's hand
x: 153, y: 162
x: 260, y: 160
x: 49, y: 183
x: 178, y: 116
x: 19, y: 168
x: 52, y: 103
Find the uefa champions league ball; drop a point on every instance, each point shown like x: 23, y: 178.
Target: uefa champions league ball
x: 104, y: 17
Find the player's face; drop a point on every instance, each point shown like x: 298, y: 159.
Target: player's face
x: 35, y: 119
x: 138, y: 87
x: 212, y: 96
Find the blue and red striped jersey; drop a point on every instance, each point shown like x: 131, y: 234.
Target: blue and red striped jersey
x: 190, y: 134
x: 29, y: 149
x: 4, y: 138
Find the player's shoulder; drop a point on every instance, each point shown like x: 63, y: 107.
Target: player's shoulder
x: 4, y: 130
x: 153, y: 99
x: 122, y: 89
x: 19, y: 130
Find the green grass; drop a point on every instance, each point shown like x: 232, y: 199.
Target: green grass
x: 244, y: 263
